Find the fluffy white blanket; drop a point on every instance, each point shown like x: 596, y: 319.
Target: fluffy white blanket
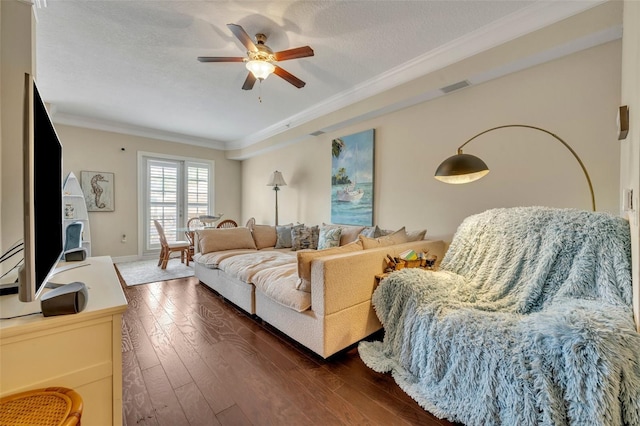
x: 528, y: 322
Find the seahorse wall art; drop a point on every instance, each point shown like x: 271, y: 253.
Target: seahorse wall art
x: 98, y: 190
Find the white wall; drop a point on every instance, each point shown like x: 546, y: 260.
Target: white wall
x: 575, y: 97
x: 96, y: 150
x: 630, y: 156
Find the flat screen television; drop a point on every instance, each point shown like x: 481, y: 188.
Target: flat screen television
x: 43, y: 196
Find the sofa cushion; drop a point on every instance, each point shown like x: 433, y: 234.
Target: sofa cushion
x: 264, y: 236
x: 279, y: 285
x: 398, y: 237
x: 283, y: 235
x: 244, y: 266
x: 212, y: 260
x: 224, y: 239
x: 306, y: 257
x: 349, y: 232
x: 329, y: 237
x: 305, y: 237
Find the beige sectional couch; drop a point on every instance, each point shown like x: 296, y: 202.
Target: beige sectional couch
x: 320, y: 298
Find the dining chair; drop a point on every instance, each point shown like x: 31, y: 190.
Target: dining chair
x: 193, y: 224
x: 169, y: 247
x: 227, y: 223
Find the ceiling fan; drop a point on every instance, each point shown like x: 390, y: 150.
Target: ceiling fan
x: 260, y: 58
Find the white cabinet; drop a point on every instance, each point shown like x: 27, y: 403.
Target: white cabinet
x: 82, y: 351
x: 75, y: 209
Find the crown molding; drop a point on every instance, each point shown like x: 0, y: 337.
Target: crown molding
x: 586, y: 42
x: 527, y: 20
x: 126, y: 129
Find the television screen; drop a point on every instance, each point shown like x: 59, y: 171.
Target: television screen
x: 43, y: 205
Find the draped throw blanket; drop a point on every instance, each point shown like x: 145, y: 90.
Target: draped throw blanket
x: 528, y: 321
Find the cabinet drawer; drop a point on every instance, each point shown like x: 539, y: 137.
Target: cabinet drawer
x: 35, y: 358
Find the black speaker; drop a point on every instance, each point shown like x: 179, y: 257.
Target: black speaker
x: 75, y: 255
x: 67, y: 299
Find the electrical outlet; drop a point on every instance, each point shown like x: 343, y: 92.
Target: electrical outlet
x: 124, y: 238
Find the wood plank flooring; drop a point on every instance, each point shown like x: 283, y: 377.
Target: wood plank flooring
x: 192, y: 358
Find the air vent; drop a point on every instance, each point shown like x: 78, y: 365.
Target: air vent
x: 317, y: 133
x: 456, y: 86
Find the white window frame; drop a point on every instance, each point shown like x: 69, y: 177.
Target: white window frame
x: 143, y: 203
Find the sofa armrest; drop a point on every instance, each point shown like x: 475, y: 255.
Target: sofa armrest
x: 344, y: 280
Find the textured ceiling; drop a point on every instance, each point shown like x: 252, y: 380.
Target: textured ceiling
x: 133, y: 63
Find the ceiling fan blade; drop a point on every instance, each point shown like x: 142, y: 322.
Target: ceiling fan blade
x: 289, y: 77
x: 220, y: 59
x: 249, y: 82
x: 298, y: 52
x: 242, y: 35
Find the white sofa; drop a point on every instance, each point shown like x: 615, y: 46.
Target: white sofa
x: 267, y: 282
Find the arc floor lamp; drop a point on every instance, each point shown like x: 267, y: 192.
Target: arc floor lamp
x: 465, y: 168
x: 276, y: 180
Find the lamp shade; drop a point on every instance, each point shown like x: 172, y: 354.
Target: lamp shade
x: 276, y: 179
x: 464, y: 168
x: 461, y: 168
x: 260, y: 69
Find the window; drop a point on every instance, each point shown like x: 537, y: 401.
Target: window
x: 173, y: 190
x: 198, y: 176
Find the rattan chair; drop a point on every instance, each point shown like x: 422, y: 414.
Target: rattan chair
x: 169, y: 247
x: 227, y: 223
x: 193, y: 224
x: 48, y: 406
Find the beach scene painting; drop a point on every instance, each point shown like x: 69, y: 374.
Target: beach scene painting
x: 352, y: 179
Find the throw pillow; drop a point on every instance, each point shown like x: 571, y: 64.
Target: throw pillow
x: 329, y: 237
x: 304, y: 237
x: 219, y: 239
x: 264, y: 236
x: 349, y: 233
x: 384, y: 232
x: 306, y: 257
x: 398, y: 237
x: 416, y: 235
x: 372, y: 232
x: 283, y: 235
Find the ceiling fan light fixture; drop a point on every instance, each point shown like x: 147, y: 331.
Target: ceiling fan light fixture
x: 260, y: 69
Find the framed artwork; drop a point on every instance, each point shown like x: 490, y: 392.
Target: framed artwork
x: 352, y: 179
x: 97, y: 188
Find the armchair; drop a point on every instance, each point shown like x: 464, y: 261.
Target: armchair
x: 529, y: 321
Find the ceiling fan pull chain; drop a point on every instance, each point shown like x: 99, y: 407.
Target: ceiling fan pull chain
x: 260, y: 90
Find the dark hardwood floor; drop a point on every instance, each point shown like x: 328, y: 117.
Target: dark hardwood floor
x: 192, y: 358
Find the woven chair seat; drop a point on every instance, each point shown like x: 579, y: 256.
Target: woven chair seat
x: 54, y: 406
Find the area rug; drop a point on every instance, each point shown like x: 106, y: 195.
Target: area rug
x: 148, y: 271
